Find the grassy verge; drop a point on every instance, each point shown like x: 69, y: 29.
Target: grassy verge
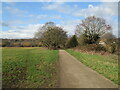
x: 105, y: 65
x: 29, y: 67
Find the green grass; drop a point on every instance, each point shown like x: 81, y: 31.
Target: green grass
x: 29, y: 67
x: 105, y: 65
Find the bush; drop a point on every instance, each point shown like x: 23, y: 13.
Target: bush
x: 16, y: 44
x: 112, y: 48
x: 87, y: 39
x: 111, y: 45
x: 26, y: 44
x: 5, y: 43
x: 92, y: 47
x: 95, y: 47
x: 81, y: 40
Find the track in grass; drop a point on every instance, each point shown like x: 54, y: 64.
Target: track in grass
x: 29, y: 68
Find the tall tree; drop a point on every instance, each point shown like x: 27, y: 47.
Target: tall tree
x: 52, y: 36
x: 92, y: 28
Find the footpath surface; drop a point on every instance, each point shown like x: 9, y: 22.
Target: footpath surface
x: 74, y: 74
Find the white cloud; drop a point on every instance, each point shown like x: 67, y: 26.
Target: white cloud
x: 60, y: 7
x: 70, y: 25
x: 41, y: 16
x: 23, y: 32
x: 56, y: 17
x: 90, y: 6
x: 105, y: 10
x: 59, y: 0
x: 15, y: 11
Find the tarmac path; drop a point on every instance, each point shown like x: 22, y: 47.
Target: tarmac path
x: 74, y: 74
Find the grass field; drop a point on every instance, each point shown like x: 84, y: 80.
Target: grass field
x: 29, y: 67
x: 105, y: 65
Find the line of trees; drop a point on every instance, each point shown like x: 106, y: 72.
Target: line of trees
x: 20, y: 43
x: 90, y: 31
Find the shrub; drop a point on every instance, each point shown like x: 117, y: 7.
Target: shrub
x: 111, y: 45
x: 111, y: 48
x: 5, y: 43
x: 16, y: 44
x: 95, y: 47
x: 81, y: 40
x: 92, y: 47
x: 26, y: 44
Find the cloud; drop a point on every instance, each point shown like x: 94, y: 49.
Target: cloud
x: 21, y: 32
x: 56, y: 17
x: 106, y: 10
x: 70, y: 25
x: 29, y: 30
x: 13, y: 10
x: 60, y: 0
x: 60, y: 7
x: 4, y: 24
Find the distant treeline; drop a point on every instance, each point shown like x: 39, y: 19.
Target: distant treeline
x: 20, y: 43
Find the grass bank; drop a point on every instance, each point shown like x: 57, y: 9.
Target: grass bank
x: 105, y: 65
x: 29, y: 67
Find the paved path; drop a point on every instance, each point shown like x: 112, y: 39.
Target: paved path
x: 73, y: 74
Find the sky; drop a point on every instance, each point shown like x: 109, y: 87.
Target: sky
x: 23, y: 19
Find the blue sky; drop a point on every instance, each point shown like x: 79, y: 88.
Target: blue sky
x: 22, y: 19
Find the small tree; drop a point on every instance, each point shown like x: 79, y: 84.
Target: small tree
x: 72, y: 42
x: 92, y: 28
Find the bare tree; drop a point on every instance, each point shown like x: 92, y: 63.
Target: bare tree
x: 92, y: 28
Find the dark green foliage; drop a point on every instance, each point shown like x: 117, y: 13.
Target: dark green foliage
x: 72, y: 42
x: 88, y: 39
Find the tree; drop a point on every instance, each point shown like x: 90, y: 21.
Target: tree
x: 52, y: 36
x: 92, y: 28
x: 72, y: 42
x: 41, y: 30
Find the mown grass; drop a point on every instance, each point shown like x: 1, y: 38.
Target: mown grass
x: 29, y: 68
x: 105, y: 65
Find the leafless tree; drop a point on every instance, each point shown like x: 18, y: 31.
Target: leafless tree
x: 93, y: 28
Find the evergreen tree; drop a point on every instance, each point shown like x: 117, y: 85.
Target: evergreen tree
x: 72, y: 42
